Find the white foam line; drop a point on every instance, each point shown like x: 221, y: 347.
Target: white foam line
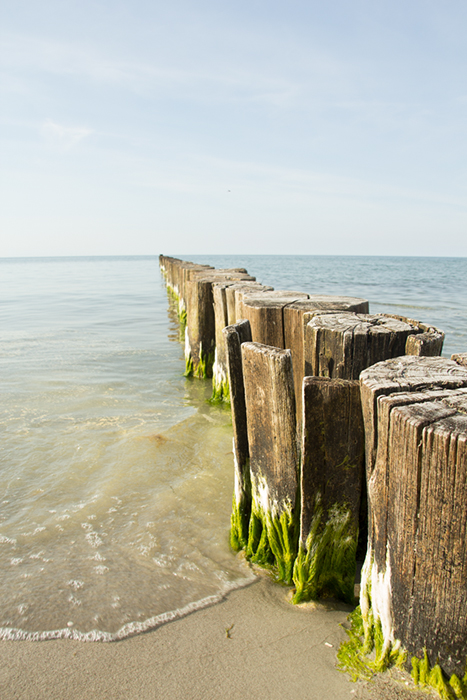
x: 128, y: 630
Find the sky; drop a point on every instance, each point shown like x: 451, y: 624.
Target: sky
x: 248, y: 127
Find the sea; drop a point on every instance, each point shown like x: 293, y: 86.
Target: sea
x: 116, y: 473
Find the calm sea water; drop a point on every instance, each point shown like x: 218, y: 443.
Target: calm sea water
x: 116, y: 475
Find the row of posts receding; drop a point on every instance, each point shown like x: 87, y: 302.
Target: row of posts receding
x: 350, y: 446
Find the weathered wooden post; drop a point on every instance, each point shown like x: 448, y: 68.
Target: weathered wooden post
x: 428, y: 341
x: 220, y: 381
x: 296, y: 317
x: 234, y: 296
x: 200, y: 337
x: 234, y: 336
x: 332, y: 473
x: 343, y: 344
x: 270, y: 407
x: 221, y: 318
x: 265, y: 313
x: 184, y: 272
x: 169, y: 268
x: 460, y: 358
x: 175, y: 272
x: 414, y: 580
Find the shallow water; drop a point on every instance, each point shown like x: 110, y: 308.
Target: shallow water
x: 116, y: 476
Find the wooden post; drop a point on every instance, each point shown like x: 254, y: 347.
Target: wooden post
x: 270, y: 407
x: 200, y: 328
x: 296, y: 316
x: 343, y: 344
x: 220, y: 380
x: 185, y: 271
x: 460, y: 358
x: 425, y: 344
x: 220, y: 383
x: 332, y: 475
x: 414, y: 580
x: 175, y: 272
x: 428, y: 342
x: 234, y: 297
x: 200, y: 336
x: 265, y: 313
x: 234, y: 336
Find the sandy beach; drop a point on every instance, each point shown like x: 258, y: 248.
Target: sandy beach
x: 253, y: 644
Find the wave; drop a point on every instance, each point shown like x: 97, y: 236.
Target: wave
x: 130, y: 629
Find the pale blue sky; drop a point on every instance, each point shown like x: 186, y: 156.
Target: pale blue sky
x: 140, y: 127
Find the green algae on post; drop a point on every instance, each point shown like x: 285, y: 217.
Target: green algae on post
x: 232, y: 337
x: 424, y: 674
x: 282, y: 532
x: 257, y: 549
x: 326, y: 565
x: 220, y: 392
x: 272, y: 537
x: 182, y: 317
x: 372, y: 646
x: 364, y: 654
x: 201, y: 369
x: 220, y: 382
x: 239, y: 524
x: 332, y: 474
x: 354, y: 655
x: 271, y: 427
x: 272, y: 542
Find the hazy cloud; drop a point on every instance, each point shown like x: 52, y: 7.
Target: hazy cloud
x: 234, y: 76
x: 65, y: 136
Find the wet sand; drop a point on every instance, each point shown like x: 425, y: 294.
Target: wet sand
x: 253, y: 644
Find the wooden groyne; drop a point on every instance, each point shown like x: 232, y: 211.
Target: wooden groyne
x: 350, y: 441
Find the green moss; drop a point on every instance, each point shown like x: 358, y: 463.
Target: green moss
x: 354, y: 655
x: 272, y: 541
x: 172, y: 292
x: 282, y: 534
x: 188, y: 366
x: 326, y: 566
x: 459, y: 686
x: 203, y: 369
x: 425, y: 675
x: 350, y: 656
x: 220, y: 392
x: 239, y: 523
x: 364, y: 638
x: 182, y: 317
x: 257, y: 548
